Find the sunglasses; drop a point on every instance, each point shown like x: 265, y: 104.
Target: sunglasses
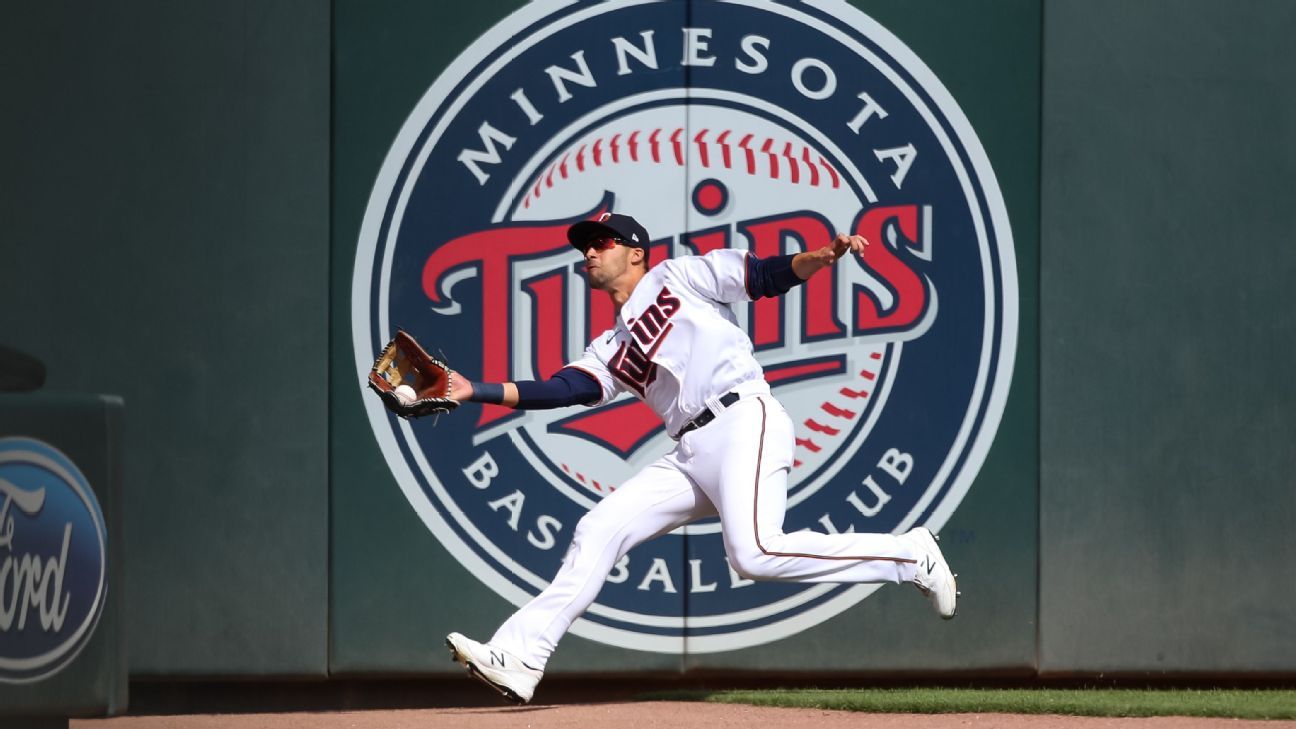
x: 603, y: 243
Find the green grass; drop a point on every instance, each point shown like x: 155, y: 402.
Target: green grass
x: 1240, y: 704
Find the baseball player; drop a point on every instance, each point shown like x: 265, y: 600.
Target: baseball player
x: 676, y: 346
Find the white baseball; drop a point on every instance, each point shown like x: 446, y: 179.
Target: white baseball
x: 406, y: 394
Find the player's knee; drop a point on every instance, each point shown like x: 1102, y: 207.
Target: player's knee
x: 593, y: 535
x: 750, y: 564
x: 586, y: 532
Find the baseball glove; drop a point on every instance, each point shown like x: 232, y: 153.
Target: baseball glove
x: 403, y: 362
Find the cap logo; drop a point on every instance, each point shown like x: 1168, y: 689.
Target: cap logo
x: 792, y: 122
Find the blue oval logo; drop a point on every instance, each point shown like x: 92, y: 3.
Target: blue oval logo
x: 756, y: 126
x: 53, y: 560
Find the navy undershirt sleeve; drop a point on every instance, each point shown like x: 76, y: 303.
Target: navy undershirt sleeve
x: 771, y: 276
x: 569, y: 386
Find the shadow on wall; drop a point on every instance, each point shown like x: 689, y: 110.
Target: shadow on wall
x: 20, y: 372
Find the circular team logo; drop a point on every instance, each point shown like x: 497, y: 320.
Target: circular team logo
x: 757, y: 126
x: 52, y: 560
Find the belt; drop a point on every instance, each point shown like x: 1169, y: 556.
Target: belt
x: 727, y: 399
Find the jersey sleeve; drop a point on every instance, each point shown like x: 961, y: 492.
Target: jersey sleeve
x: 594, y: 364
x: 721, y: 275
x: 568, y: 386
x: 773, y: 276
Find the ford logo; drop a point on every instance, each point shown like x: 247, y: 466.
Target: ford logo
x: 53, y: 560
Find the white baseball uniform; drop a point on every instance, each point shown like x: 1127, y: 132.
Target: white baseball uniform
x: 677, y: 346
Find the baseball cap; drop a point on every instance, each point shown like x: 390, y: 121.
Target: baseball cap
x: 622, y: 227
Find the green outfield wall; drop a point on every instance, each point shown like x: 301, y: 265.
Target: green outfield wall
x: 1167, y: 318
x: 184, y: 192
x: 165, y: 234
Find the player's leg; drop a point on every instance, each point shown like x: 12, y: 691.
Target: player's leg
x: 655, y: 501
x: 742, y: 460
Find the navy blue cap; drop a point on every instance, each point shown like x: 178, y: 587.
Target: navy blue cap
x: 614, y: 225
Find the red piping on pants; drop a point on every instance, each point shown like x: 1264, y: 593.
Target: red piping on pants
x: 760, y: 454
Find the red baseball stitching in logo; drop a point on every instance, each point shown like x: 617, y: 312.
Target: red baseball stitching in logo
x: 837, y: 412
x: 751, y: 152
x: 588, y: 483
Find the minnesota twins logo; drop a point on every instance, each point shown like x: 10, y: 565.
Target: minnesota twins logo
x: 766, y: 127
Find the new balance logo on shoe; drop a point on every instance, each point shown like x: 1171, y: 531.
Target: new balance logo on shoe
x: 933, y: 576
x: 495, y: 667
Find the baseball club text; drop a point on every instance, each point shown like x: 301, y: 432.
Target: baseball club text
x: 543, y: 532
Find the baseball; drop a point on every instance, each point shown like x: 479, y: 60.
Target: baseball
x: 406, y: 393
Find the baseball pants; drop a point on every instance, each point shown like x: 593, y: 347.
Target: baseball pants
x: 736, y: 467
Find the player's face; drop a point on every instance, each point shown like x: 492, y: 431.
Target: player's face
x: 606, y: 260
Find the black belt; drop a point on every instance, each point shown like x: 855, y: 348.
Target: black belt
x: 727, y: 399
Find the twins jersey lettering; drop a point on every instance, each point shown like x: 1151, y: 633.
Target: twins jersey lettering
x: 676, y: 344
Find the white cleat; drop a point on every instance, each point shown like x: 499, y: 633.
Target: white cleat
x: 933, y: 578
x: 495, y: 667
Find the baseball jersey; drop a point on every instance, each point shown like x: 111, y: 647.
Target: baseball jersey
x: 676, y: 344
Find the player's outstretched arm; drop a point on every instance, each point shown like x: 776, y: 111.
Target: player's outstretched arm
x: 809, y: 263
x: 567, y: 387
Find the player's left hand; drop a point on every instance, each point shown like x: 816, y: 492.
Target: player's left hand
x: 809, y: 263
x: 843, y: 243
